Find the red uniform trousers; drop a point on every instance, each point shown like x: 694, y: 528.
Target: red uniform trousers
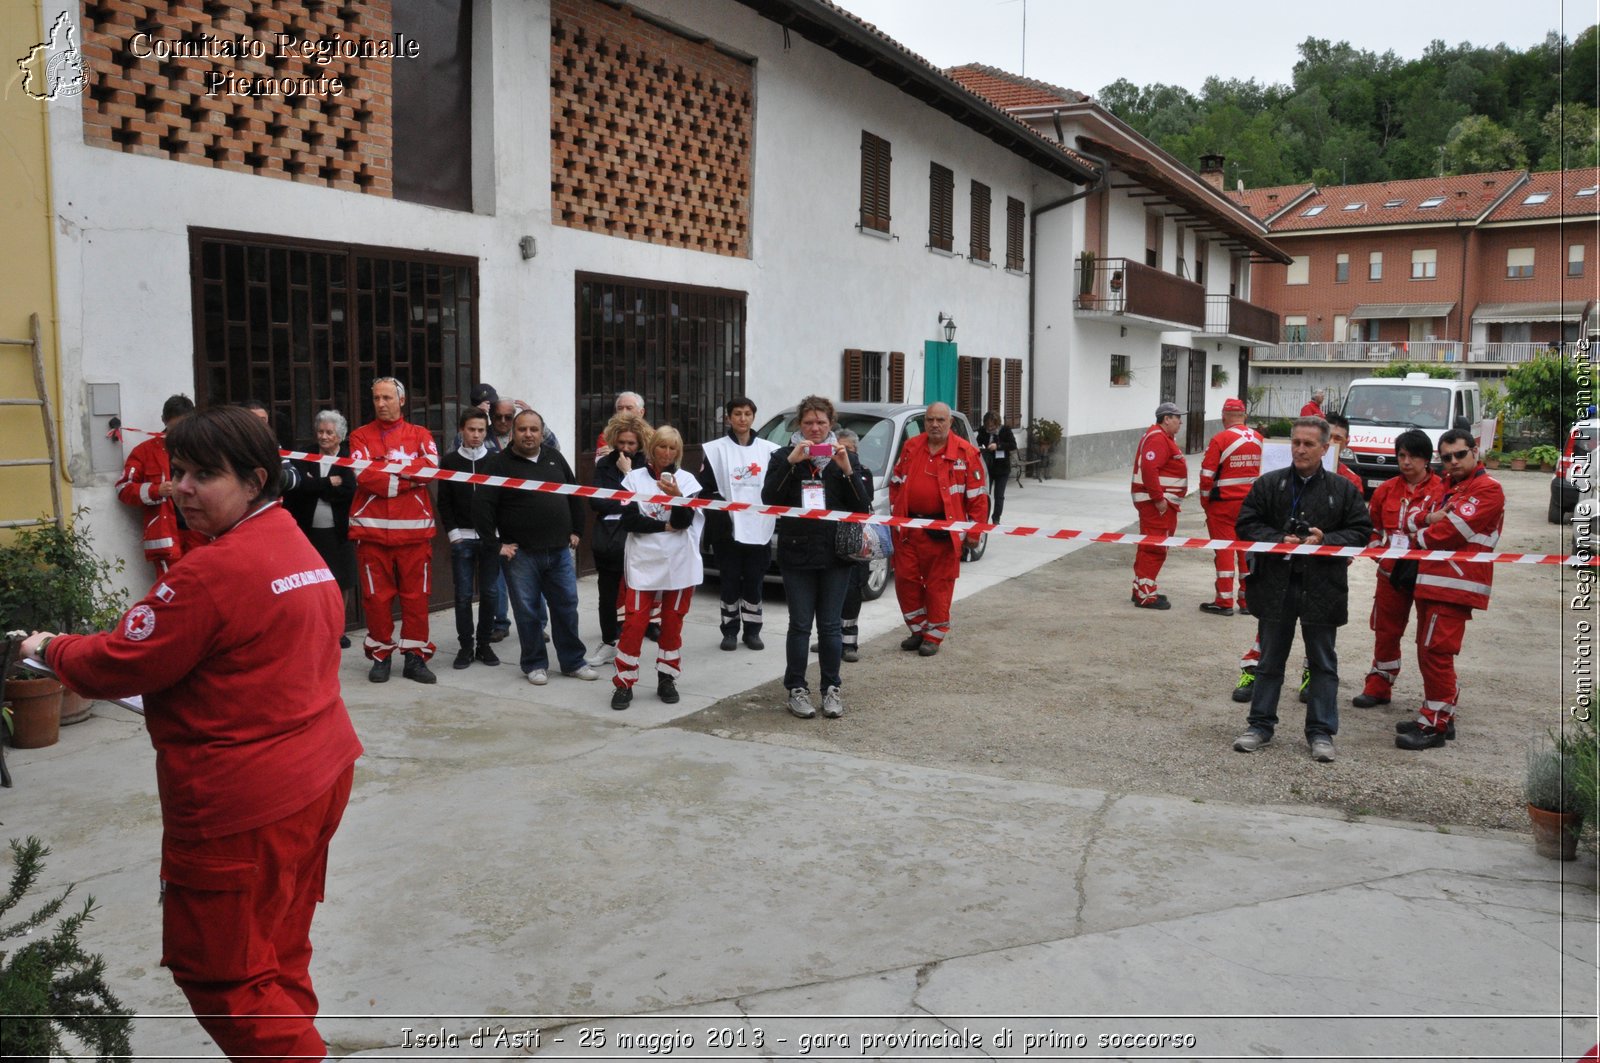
x: 388, y: 572
x: 236, y: 929
x: 668, y: 608
x: 1147, y: 560
x: 1391, y: 612
x: 1220, y: 518
x: 925, y: 571
x: 1440, y: 626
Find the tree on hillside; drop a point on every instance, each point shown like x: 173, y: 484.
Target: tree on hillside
x: 1478, y: 144
x: 1572, y: 137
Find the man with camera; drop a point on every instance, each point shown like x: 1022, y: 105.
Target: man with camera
x: 1301, y: 505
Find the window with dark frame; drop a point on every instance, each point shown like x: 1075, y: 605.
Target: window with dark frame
x: 863, y: 376
x: 1015, y: 213
x: 941, y: 207
x: 980, y: 222
x: 875, y: 165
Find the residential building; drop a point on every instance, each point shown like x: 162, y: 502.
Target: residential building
x: 1479, y: 271
x: 1154, y: 303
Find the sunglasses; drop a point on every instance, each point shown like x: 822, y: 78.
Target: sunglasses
x: 1454, y: 455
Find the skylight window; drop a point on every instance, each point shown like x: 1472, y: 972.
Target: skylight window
x: 1591, y: 190
x: 1354, y: 206
x: 1312, y: 212
x: 1430, y: 202
x: 1394, y: 203
x: 1535, y: 198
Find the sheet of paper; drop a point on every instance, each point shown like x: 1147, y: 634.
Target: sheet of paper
x: 135, y: 703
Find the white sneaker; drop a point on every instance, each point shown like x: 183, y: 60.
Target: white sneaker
x: 539, y: 677
x: 832, y: 703
x: 800, y: 703
x: 605, y: 654
x: 586, y: 673
x: 1322, y: 749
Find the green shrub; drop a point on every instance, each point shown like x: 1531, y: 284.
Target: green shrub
x: 1400, y: 369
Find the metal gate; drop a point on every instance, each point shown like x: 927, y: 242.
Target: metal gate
x: 1195, y: 432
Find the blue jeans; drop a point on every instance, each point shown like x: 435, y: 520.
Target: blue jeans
x: 1322, y: 708
x: 814, y: 594
x: 536, y: 577
x: 471, y: 562
x: 502, y: 614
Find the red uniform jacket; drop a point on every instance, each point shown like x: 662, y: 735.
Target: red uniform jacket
x: 1392, y: 504
x: 1231, y: 464
x: 962, y: 482
x: 1159, y: 469
x: 1311, y: 409
x: 147, y: 468
x: 390, y: 509
x: 235, y: 652
x: 1475, y: 511
x: 1348, y: 474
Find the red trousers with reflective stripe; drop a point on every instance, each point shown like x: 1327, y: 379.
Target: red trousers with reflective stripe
x: 1147, y: 560
x: 236, y: 929
x: 925, y: 571
x: 1440, y: 627
x: 668, y: 608
x: 388, y: 572
x: 1220, y: 518
x: 1391, y: 612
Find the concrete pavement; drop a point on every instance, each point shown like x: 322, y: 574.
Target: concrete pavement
x: 526, y: 865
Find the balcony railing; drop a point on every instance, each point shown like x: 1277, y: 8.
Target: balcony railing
x: 1400, y: 351
x: 1228, y: 315
x: 1119, y: 286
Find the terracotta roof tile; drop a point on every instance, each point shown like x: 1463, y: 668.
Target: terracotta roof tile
x: 1263, y: 203
x: 1421, y: 201
x: 1556, y: 195
x: 1009, y: 91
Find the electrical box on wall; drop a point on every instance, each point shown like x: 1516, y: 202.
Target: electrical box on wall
x: 104, y: 403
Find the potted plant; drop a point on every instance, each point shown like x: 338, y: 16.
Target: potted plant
x: 1545, y: 456
x: 48, y: 985
x: 1491, y: 459
x: 1555, y: 807
x: 1518, y: 460
x: 1086, y: 261
x: 51, y: 579
x: 1045, y: 434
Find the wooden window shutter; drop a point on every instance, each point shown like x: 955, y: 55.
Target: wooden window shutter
x: 1013, y: 414
x: 1014, y: 217
x: 851, y: 391
x: 966, y: 383
x: 897, y: 376
x: 980, y: 221
x: 874, y: 182
x: 994, y: 385
x: 941, y: 207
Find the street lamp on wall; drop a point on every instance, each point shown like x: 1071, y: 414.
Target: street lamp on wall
x: 949, y: 324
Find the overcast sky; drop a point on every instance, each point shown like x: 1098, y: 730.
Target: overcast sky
x: 1087, y: 45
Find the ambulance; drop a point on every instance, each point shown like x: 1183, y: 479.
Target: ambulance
x: 1380, y: 408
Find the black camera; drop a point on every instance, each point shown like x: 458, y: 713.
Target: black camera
x: 1297, y: 527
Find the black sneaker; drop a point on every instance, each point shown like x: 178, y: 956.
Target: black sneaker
x: 1405, y: 727
x: 730, y: 643
x: 379, y: 673
x: 667, y: 690
x: 1216, y: 610
x: 754, y: 642
x: 1158, y: 602
x: 1364, y: 700
x: 344, y: 642
x: 487, y: 656
x: 851, y: 654
x: 928, y: 648
x: 912, y: 641
x: 621, y: 697
x: 1420, y: 739
x: 416, y: 669
x: 463, y: 658
x: 1245, y: 689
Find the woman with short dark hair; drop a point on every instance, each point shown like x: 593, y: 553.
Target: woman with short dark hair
x: 254, y: 756
x: 997, y: 444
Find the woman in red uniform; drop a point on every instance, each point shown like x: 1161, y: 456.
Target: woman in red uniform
x: 253, y: 759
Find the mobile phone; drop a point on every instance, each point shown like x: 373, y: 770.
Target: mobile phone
x: 821, y: 450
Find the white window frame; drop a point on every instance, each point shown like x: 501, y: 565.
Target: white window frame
x: 1519, y: 262
x: 1375, y: 265
x: 1341, y: 268
x: 1424, y: 264
x: 1299, y: 271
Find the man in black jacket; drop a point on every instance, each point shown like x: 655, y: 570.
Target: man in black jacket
x: 534, y: 533
x: 1303, y: 504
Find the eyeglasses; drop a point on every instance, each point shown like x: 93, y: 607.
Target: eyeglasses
x: 502, y: 417
x: 1454, y: 455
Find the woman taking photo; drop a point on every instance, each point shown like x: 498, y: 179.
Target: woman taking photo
x: 814, y: 472
x: 661, y: 564
x: 623, y: 438
x: 320, y: 502
x: 235, y: 651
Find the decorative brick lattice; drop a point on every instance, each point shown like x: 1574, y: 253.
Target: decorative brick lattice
x: 145, y: 105
x: 649, y: 132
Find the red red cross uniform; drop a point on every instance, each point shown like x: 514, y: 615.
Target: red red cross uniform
x: 1159, y: 471
x: 1392, y: 504
x: 391, y: 520
x: 1448, y: 591
x: 1231, y: 464
x: 950, y: 485
x: 147, y: 468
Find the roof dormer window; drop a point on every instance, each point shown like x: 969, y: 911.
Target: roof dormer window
x: 1430, y: 203
x: 1354, y: 206
x: 1393, y: 203
x: 1312, y: 212
x: 1535, y: 198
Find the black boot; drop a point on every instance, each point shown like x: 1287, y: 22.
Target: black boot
x: 416, y: 670
x: 463, y: 657
x: 667, y: 690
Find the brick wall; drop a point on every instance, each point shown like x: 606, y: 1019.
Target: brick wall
x: 161, y: 108
x: 650, y: 132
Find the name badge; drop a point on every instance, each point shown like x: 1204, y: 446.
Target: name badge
x: 999, y: 455
x: 1400, y: 541
x: 811, y: 495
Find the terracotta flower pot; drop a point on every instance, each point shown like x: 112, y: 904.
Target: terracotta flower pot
x: 1518, y: 464
x: 1555, y: 834
x: 75, y: 708
x: 35, y: 712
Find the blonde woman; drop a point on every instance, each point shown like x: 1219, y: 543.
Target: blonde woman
x: 661, y: 564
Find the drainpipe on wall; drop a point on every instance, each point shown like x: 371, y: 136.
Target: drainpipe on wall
x: 1461, y: 301
x: 1033, y: 242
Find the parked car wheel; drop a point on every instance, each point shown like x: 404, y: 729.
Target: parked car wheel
x: 974, y: 551
x: 877, y: 580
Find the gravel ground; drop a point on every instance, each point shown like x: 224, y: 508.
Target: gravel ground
x: 1054, y: 676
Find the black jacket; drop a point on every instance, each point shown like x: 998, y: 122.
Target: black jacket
x: 1321, y: 584
x: 533, y: 520
x: 806, y: 543
x: 609, y: 536
x: 1007, y: 443
x: 309, y: 487
x: 455, y: 498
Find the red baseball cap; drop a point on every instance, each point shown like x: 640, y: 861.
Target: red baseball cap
x: 1230, y: 405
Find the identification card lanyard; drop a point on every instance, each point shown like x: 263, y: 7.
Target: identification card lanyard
x: 812, y: 495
